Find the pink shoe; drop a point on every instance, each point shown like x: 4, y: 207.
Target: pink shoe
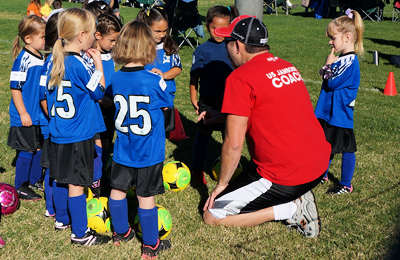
x: 2, y: 243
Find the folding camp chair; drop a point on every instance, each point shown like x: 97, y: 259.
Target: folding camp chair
x: 143, y: 3
x: 396, y: 11
x: 270, y: 6
x: 370, y: 9
x: 187, y: 21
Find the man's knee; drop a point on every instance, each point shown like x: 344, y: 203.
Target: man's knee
x: 209, y: 219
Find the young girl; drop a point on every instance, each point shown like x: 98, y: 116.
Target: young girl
x: 34, y: 7
x: 139, y: 149
x: 108, y: 28
x: 168, y: 63
x: 335, y: 105
x: 73, y: 88
x: 46, y: 9
x: 50, y: 39
x: 24, y: 135
x: 210, y: 68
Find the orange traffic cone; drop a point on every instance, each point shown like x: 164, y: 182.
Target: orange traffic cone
x: 179, y: 133
x: 390, y: 88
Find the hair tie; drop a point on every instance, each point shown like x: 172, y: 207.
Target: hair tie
x: 148, y: 12
x: 229, y: 8
x: 349, y: 13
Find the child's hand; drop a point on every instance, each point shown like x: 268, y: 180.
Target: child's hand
x: 331, y: 57
x: 157, y: 71
x: 95, y: 55
x: 195, y: 104
x: 26, y: 119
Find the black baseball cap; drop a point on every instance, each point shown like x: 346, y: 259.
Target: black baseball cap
x: 247, y: 29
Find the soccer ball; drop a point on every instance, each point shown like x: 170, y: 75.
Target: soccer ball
x: 98, y: 215
x: 164, y: 223
x: 176, y: 176
x: 9, y: 199
x: 216, y: 169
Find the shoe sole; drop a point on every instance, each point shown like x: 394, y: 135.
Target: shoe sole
x: 309, y: 207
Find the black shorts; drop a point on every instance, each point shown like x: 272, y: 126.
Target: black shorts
x: 72, y: 163
x: 250, y: 192
x: 147, y: 181
x: 108, y: 116
x: 23, y: 138
x: 342, y: 140
x: 44, y: 159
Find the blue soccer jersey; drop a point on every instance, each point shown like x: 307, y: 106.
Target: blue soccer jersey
x: 210, y: 63
x: 25, y: 76
x: 109, y: 70
x: 338, y: 93
x: 44, y: 121
x: 75, y: 115
x: 139, y: 96
x: 164, y: 63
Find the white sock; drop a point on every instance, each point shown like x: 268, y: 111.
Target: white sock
x: 289, y: 3
x: 284, y: 211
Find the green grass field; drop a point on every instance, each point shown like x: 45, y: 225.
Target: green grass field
x: 363, y: 225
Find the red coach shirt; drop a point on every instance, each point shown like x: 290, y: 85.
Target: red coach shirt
x: 284, y: 137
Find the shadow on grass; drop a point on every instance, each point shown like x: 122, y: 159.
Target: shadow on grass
x: 384, y: 42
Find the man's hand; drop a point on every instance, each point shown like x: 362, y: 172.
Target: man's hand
x: 210, y: 201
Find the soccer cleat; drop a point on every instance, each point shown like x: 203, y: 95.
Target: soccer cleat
x: 198, y: 178
x: 2, y: 243
x: 90, y: 238
x: 60, y: 226
x: 340, y: 189
x: 48, y: 215
x: 96, y: 189
x: 306, y: 218
x: 26, y: 193
x: 324, y: 179
x: 118, y: 238
x: 37, y: 186
x: 149, y: 252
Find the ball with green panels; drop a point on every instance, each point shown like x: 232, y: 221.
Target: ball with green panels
x: 164, y: 223
x: 176, y: 176
x: 216, y: 169
x: 98, y: 215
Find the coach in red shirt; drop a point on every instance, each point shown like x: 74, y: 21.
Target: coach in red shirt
x: 267, y: 103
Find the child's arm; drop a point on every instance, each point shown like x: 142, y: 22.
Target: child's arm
x: 98, y: 64
x: 19, y: 104
x: 172, y: 73
x: 43, y: 103
x: 194, y: 85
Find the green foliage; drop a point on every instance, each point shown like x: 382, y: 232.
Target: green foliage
x: 363, y: 225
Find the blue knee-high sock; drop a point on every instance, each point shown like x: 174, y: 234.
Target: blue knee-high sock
x: 149, y: 222
x: 48, y: 191
x: 36, y: 170
x: 22, y: 167
x: 348, y: 166
x: 119, y: 215
x: 60, y: 199
x: 77, y: 208
x: 98, y: 163
x: 200, y: 150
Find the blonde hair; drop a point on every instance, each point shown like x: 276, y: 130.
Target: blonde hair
x: 354, y: 25
x: 70, y: 23
x: 29, y: 25
x: 135, y: 43
x: 50, y: 2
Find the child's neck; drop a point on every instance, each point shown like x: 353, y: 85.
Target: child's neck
x: 33, y: 50
x: 134, y: 64
x: 72, y: 47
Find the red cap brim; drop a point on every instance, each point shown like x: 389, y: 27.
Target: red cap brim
x: 226, y: 31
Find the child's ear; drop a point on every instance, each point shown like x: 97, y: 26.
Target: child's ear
x: 97, y: 35
x: 28, y: 39
x: 80, y: 36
